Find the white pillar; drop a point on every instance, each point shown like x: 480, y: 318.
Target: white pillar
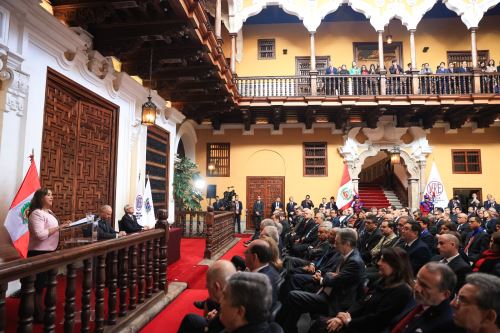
x: 233, y: 53
x: 313, y: 53
x: 218, y: 19
x: 473, y: 47
x: 413, y: 50
x: 413, y: 195
x: 381, y: 49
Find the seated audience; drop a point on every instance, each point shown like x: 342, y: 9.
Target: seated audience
x: 275, y: 261
x: 217, y: 276
x: 44, y: 229
x: 383, y: 302
x: 258, y: 258
x: 477, y: 305
x: 448, y: 246
x: 368, y: 238
x: 476, y: 241
x: 489, y: 261
x: 128, y: 223
x: 246, y: 304
x: 433, y: 314
x: 417, y: 250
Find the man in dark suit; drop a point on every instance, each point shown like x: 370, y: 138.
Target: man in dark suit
x: 368, y: 238
x: 418, y: 252
x: 433, y: 313
x: 331, y: 204
x: 290, y: 208
x: 217, y: 275
x: 426, y: 236
x: 307, y: 203
x: 477, y: 240
x: 104, y: 228
x: 339, y: 288
x: 258, y: 211
x: 238, y: 207
x: 257, y: 259
x: 217, y: 202
x: 448, y: 246
x: 491, y: 202
x: 277, y: 204
x: 128, y: 223
x: 463, y: 227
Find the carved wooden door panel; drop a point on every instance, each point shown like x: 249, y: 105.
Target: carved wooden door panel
x: 78, y: 159
x: 268, y: 188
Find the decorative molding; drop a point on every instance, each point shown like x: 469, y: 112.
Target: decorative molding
x: 470, y: 11
x: 17, y: 93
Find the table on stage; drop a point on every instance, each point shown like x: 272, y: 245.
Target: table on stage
x: 174, y: 245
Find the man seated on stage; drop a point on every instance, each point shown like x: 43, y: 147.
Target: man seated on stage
x: 104, y: 228
x: 217, y: 276
x: 128, y: 223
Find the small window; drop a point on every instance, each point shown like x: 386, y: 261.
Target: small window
x: 466, y: 161
x: 266, y: 49
x: 315, y: 161
x: 218, y: 160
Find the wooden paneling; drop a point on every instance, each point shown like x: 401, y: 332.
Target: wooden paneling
x: 157, y: 157
x: 78, y: 148
x: 268, y: 188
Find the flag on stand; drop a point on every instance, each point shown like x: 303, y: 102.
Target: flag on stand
x: 16, y: 221
x: 345, y: 195
x: 149, y: 210
x: 435, y: 188
x: 139, y: 202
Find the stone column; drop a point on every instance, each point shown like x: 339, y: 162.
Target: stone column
x: 421, y: 183
x: 475, y: 69
x: 313, y: 72
x: 218, y: 19
x: 381, y: 60
x: 355, y: 184
x: 233, y: 52
x: 413, y: 195
x: 313, y: 52
x: 414, y: 70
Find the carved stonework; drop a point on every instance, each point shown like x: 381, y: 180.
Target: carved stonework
x: 17, y: 93
x: 471, y: 12
x: 98, y: 64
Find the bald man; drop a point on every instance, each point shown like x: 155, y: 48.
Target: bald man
x: 104, y: 228
x: 217, y: 276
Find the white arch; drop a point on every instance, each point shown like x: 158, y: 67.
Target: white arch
x: 189, y: 138
x: 471, y: 12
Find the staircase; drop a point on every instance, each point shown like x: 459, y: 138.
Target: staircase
x: 373, y: 195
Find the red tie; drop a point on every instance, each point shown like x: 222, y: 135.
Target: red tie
x: 403, y: 323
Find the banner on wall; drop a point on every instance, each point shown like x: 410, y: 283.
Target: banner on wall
x: 139, y: 202
x: 435, y: 188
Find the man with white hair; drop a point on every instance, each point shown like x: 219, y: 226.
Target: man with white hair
x: 128, y: 223
x: 270, y: 231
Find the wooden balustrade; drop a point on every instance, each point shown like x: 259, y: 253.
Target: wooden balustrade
x: 369, y: 85
x: 192, y: 223
x: 131, y: 262
x: 400, y: 190
x: 219, y: 231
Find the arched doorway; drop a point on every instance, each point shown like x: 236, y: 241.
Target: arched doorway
x: 185, y: 141
x: 409, y: 143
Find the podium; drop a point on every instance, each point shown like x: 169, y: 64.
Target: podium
x: 73, y: 236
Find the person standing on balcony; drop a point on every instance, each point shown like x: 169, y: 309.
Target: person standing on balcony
x: 441, y: 82
x: 355, y: 81
x: 331, y: 83
x: 394, y: 84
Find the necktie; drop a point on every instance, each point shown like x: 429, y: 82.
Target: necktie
x: 403, y: 323
x: 444, y: 261
x: 466, y: 250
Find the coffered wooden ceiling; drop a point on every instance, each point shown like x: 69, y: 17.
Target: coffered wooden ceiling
x: 189, y: 68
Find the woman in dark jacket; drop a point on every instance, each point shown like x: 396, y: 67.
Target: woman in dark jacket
x: 489, y: 261
x: 384, y: 302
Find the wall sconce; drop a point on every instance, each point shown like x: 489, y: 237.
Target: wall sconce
x: 285, y: 51
x: 389, y: 39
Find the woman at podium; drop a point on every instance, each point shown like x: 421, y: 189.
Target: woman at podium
x: 44, y: 238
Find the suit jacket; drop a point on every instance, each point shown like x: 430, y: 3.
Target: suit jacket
x: 105, y: 231
x: 331, y: 71
x: 274, y: 278
x: 396, y: 69
x: 129, y: 224
x: 462, y: 70
x: 460, y: 267
x: 478, y: 245
x: 330, y: 205
x: 275, y: 205
x: 240, y: 205
x: 419, y: 255
x: 347, y: 285
x: 290, y: 208
x: 264, y: 327
x: 464, y: 230
x: 367, y: 242
x: 306, y: 204
x: 429, y: 240
x: 258, y: 206
x: 436, y: 319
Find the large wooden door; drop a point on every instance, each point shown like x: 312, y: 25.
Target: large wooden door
x: 157, y: 157
x: 268, y: 188
x: 78, y: 159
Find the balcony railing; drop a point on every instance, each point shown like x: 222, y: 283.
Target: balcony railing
x: 368, y: 85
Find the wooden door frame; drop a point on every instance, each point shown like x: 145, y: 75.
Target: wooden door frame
x: 249, y: 204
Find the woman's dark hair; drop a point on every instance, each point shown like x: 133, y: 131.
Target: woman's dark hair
x: 37, y: 200
x: 399, y: 261
x: 495, y: 237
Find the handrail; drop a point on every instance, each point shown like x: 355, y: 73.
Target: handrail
x: 400, y: 190
x: 219, y: 231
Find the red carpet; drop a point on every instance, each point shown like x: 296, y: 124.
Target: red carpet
x: 372, y: 196
x: 186, y: 269
x: 238, y: 249
x: 169, y: 320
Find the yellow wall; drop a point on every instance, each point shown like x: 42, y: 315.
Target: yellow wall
x: 263, y: 154
x: 335, y: 39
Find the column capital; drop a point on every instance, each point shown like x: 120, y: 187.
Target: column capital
x: 473, y: 29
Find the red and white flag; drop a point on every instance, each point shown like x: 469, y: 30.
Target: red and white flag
x: 16, y: 221
x: 345, y: 195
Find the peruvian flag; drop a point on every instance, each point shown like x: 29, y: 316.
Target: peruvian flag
x: 346, y: 193
x: 16, y: 222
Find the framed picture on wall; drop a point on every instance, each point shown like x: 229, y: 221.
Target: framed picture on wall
x: 366, y: 53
